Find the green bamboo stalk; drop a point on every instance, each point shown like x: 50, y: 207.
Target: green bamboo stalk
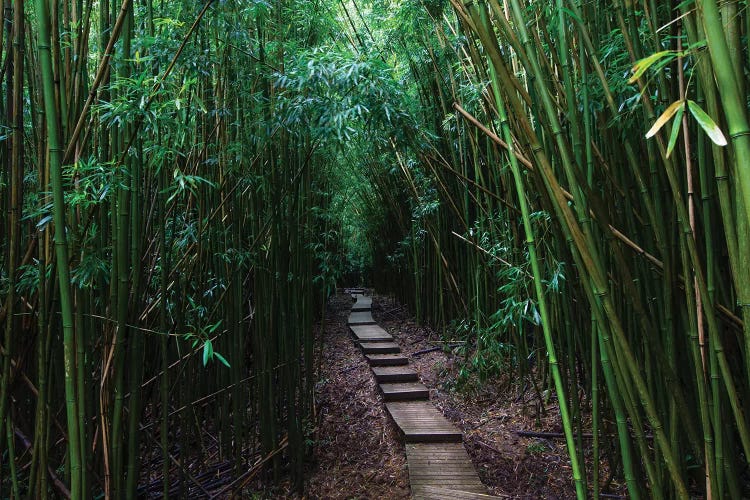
x: 38, y: 487
x: 733, y: 104
x: 595, y: 404
x: 480, y: 19
x: 600, y: 290
x: 14, y: 163
x: 137, y: 351
x: 715, y: 403
x: 700, y: 381
x: 595, y: 411
x: 138, y: 341
x: 122, y: 291
x: 164, y: 343
x: 37, y: 476
x: 15, y: 489
x: 82, y: 369
x: 61, y: 246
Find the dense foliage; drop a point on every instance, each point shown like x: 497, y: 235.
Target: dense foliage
x: 186, y: 149
x: 578, y: 194
x: 561, y: 185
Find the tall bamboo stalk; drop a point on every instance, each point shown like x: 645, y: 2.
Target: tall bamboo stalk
x: 54, y: 142
x: 578, y: 476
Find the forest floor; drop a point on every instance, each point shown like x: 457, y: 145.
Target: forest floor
x: 358, y: 453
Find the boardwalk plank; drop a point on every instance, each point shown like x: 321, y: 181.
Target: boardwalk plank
x: 361, y: 318
x: 454, y: 478
x: 369, y: 338
x: 368, y: 329
x: 404, y: 390
x: 370, y: 333
x: 387, y: 359
x: 394, y: 374
x: 363, y: 303
x: 441, y: 493
x: 380, y: 347
x: 420, y: 421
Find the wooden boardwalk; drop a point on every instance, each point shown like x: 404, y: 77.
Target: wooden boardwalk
x: 439, y: 467
x: 442, y: 469
x: 361, y: 318
x: 370, y: 333
x: 363, y: 304
x: 420, y: 422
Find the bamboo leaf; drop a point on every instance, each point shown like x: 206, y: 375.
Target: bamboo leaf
x: 693, y: 47
x: 206, y: 352
x: 664, y: 118
x: 199, y: 102
x: 707, y: 124
x: 571, y: 14
x: 642, y: 65
x: 43, y: 222
x: 222, y: 359
x: 676, y: 125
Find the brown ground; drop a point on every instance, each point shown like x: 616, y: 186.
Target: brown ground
x: 358, y: 453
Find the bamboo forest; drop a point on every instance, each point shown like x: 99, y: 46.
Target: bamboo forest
x: 541, y: 208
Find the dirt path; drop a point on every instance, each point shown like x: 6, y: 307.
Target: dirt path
x: 358, y: 454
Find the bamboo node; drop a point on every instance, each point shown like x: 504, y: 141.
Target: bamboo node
x: 735, y: 135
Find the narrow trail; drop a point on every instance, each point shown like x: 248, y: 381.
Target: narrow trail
x: 438, y: 464
x: 361, y: 454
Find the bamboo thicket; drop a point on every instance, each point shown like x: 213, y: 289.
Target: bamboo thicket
x: 638, y: 233
x: 160, y: 243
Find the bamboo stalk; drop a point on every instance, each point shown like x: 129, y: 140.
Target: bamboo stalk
x: 61, y: 246
x: 578, y: 476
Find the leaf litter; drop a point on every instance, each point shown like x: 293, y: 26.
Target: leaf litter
x: 358, y: 453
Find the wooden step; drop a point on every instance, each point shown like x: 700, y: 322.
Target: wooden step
x: 394, y: 374
x: 380, y: 347
x: 427, y: 492
x: 374, y: 338
x: 361, y: 318
x: 421, y: 422
x: 370, y: 333
x: 363, y: 304
x: 401, y: 391
x: 387, y: 359
x: 443, y: 471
